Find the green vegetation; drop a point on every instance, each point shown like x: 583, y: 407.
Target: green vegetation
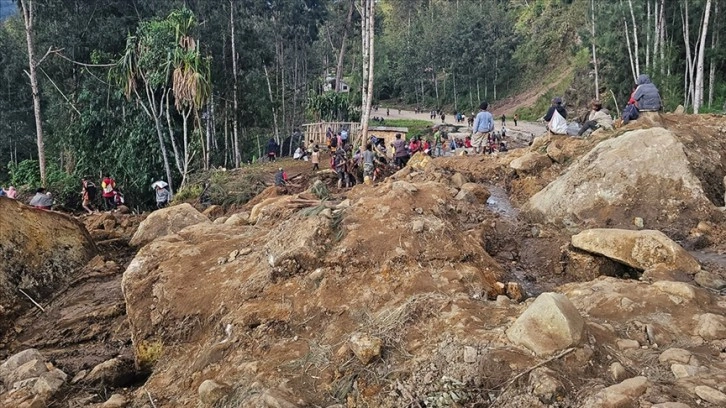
x: 415, y: 127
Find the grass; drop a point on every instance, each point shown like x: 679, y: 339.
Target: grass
x: 415, y: 127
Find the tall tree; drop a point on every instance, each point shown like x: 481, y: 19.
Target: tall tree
x: 698, y: 91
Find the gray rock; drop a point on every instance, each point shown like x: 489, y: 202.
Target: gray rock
x: 530, y: 162
x: 671, y: 405
x: 628, y: 344
x: 711, y: 395
x: 639, y: 223
x: 16, y: 360
x: 551, y: 323
x: 470, y: 355
x: 47, y: 385
x: 710, y: 280
x: 545, y: 385
x: 473, y: 193
x: 684, y: 370
x: 639, y: 249
x: 404, y: 187
x: 167, y: 221
x: 114, y: 372
x: 417, y: 226
x: 33, y: 368
x: 458, y: 180
x: 711, y: 326
x: 210, y: 392
x: 624, y: 394
x: 238, y: 219
x: 618, y: 372
x: 680, y: 110
x: 675, y: 355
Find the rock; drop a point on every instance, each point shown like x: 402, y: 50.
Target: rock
x: 622, y: 395
x: 675, y: 355
x: 220, y: 221
x: 213, y: 212
x: 17, y: 360
x: 40, y: 251
x: 551, y: 323
x: 680, y: 110
x: 710, y: 280
x: 114, y: 372
x: 618, y: 372
x: 458, y: 180
x: 122, y: 209
x: 503, y: 301
x: 417, y: 226
x: 166, y: 221
x: 116, y: 401
x: 473, y: 193
x: 47, y: 385
x: 555, y: 153
x: 515, y: 291
x: 628, y: 344
x: 210, y: 392
x: 419, y: 161
x: 404, y: 187
x: 711, y: 395
x: 680, y: 289
x: 365, y: 347
x: 545, y: 385
x: 109, y: 225
x: 711, y: 326
x: 648, y: 173
x: 639, y: 249
x: 33, y: 368
x: 684, y: 370
x: 470, y: 355
x: 238, y: 219
x: 79, y: 376
x: 529, y: 163
x: 670, y: 405
x: 639, y: 223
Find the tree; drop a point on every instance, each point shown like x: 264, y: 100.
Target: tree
x: 698, y: 91
x: 368, y: 12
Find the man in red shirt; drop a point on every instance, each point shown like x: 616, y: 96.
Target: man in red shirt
x: 108, y: 184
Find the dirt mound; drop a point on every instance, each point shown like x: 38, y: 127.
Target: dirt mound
x: 40, y: 251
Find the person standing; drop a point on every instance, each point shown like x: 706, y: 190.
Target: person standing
x: 108, y: 184
x: 504, y: 120
x: 272, y: 149
x: 316, y: 159
x: 368, y: 164
x: 88, y: 194
x: 516, y: 118
x: 163, y: 196
x: 400, y: 153
x: 483, y: 125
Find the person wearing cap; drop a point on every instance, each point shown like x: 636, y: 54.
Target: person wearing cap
x: 598, y: 118
x: 483, y: 126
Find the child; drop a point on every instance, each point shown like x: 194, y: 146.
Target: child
x: 316, y: 159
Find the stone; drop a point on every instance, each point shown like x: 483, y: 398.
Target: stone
x: 166, y: 221
x: 47, y: 385
x: 503, y: 301
x: 365, y: 347
x: 551, y: 323
x: 116, y: 401
x: 680, y: 110
x: 210, y: 392
x: 458, y: 180
x: 639, y: 223
x: 220, y: 221
x: 545, y: 384
x: 109, y: 225
x: 33, y: 368
x: 684, y: 370
x: 403, y: 187
x: 711, y: 395
x: 17, y: 360
x: 114, y: 372
x: 515, y: 291
x: 618, y: 372
x: 238, y: 219
x: 79, y: 376
x: 473, y: 193
x: 638, y: 249
x: 675, y: 355
x: 628, y: 344
x: 555, y: 153
x: 710, y: 280
x: 680, y: 289
x: 122, y: 209
x: 622, y: 395
x: 529, y: 163
x: 711, y: 326
x: 671, y: 405
x: 470, y: 355
x: 417, y: 226
x: 648, y: 172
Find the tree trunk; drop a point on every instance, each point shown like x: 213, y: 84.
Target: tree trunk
x: 647, y: 38
x: 594, y: 55
x: 661, y: 40
x: 714, y: 45
x: 235, y: 125
x: 28, y: 17
x: 368, y: 33
x: 698, y: 92
x: 272, y: 102
x: 341, y: 54
x: 636, y: 49
x: 630, y: 51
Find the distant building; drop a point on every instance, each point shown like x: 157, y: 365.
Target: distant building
x: 330, y: 85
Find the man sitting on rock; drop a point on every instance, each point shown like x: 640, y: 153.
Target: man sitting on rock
x: 646, y: 98
x: 598, y: 118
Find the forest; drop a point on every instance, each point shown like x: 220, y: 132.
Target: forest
x: 167, y: 89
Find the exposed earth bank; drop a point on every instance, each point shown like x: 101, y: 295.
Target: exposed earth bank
x: 572, y: 272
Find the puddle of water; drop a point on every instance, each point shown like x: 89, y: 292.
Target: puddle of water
x: 499, y: 203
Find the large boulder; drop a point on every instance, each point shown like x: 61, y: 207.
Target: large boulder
x: 643, y: 173
x: 638, y: 249
x: 551, y: 323
x: 530, y: 162
x: 39, y: 252
x: 167, y: 221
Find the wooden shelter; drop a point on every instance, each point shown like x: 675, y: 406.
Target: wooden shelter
x: 387, y: 133
x: 315, y: 132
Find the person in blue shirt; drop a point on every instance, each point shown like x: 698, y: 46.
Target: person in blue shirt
x: 483, y: 125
